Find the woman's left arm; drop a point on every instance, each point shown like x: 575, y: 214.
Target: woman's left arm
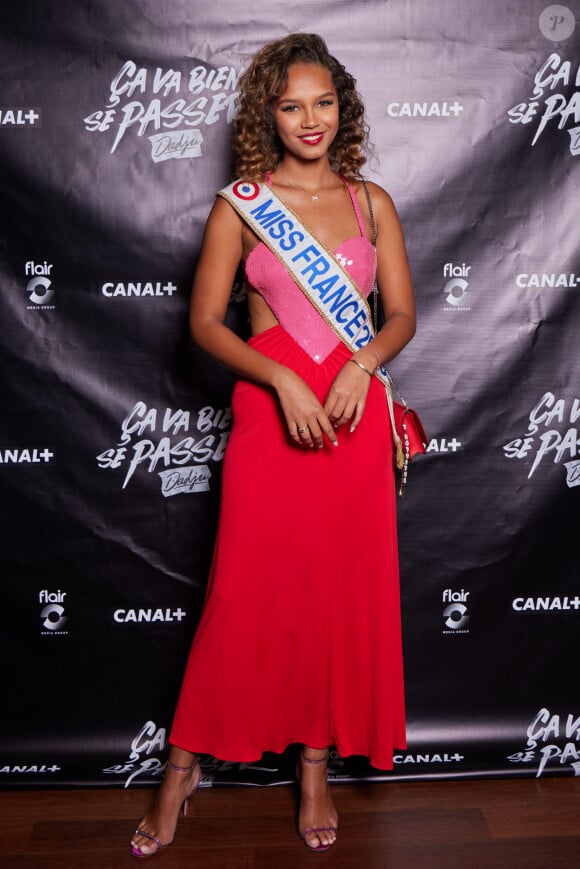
x: 347, y: 396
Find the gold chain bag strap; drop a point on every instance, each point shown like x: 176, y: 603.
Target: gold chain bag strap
x: 406, y: 420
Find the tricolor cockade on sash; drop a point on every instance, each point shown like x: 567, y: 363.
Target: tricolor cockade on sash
x: 320, y: 276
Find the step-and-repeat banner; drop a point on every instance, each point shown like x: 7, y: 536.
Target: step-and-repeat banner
x: 114, y: 136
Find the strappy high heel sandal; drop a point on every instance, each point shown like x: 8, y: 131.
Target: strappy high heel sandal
x: 137, y: 852
x: 314, y: 830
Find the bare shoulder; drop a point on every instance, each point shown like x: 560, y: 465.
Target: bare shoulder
x: 222, y: 240
x: 224, y: 214
x: 382, y: 202
x: 223, y: 229
x: 384, y: 211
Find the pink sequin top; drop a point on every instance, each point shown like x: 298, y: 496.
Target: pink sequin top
x: 288, y: 303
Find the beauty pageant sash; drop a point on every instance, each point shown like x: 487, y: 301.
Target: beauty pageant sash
x: 322, y: 279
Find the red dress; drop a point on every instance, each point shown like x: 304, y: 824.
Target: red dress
x: 300, y: 637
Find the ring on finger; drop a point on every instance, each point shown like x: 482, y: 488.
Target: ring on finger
x: 302, y: 429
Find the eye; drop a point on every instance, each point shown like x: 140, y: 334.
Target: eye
x: 289, y: 108
x: 326, y: 103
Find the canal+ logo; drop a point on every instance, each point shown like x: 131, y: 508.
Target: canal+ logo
x: 13, y: 118
x: 425, y: 109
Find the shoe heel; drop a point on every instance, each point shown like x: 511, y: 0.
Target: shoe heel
x: 196, y: 764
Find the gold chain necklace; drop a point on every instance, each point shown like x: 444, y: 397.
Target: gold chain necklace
x: 314, y: 196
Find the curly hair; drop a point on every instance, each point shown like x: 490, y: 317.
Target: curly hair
x: 256, y: 146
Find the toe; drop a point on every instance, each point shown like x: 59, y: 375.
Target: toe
x: 143, y: 844
x: 313, y: 841
x: 318, y: 838
x: 326, y: 837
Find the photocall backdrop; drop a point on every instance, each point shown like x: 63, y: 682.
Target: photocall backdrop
x: 114, y: 134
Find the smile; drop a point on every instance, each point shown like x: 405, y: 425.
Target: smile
x: 312, y: 138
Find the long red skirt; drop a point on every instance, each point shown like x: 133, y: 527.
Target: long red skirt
x: 300, y: 638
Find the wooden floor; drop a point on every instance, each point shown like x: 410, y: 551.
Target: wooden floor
x: 531, y: 823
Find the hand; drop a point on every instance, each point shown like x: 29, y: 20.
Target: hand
x: 305, y: 417
x: 347, y: 396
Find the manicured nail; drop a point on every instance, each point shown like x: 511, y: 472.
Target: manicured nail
x: 352, y: 428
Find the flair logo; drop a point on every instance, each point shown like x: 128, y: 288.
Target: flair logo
x: 53, y: 613
x: 32, y: 268
x: 455, y: 613
x: 39, y: 286
x: 455, y: 289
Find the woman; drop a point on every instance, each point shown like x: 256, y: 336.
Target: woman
x: 299, y: 641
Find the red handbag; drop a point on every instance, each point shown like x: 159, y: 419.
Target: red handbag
x: 413, y: 439
x: 409, y: 436
x: 410, y: 430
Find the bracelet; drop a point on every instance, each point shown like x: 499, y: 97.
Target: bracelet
x: 360, y: 365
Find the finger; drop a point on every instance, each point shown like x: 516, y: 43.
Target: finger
x: 316, y: 433
x: 328, y: 428
x: 294, y: 429
x: 358, y: 415
x: 303, y: 435
x: 334, y: 407
x: 348, y: 413
x: 330, y: 405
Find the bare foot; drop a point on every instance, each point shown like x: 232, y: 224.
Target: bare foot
x: 157, y: 827
x: 317, y: 820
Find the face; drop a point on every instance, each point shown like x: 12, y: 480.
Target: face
x: 306, y: 114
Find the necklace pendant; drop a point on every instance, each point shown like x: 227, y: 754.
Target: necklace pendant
x: 315, y: 198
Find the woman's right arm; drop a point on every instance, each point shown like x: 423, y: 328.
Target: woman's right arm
x: 221, y: 253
